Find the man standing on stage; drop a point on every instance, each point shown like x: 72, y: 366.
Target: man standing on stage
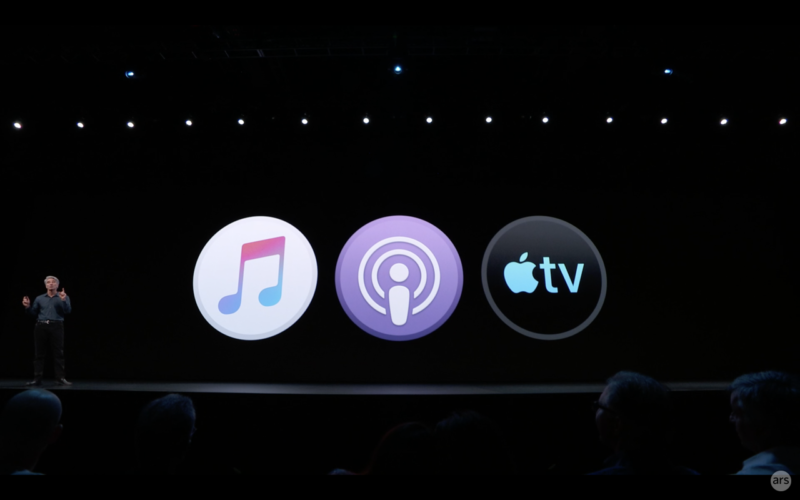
x: 49, y: 310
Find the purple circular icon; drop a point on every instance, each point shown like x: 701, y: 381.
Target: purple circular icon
x: 399, y: 278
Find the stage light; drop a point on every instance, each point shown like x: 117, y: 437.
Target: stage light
x: 610, y: 120
x: 130, y: 74
x: 241, y: 122
x: 17, y: 125
x: 304, y: 121
x: 366, y: 121
x: 131, y: 125
x: 398, y: 70
x: 80, y: 125
x: 783, y: 121
x: 188, y: 123
x: 429, y: 120
x: 664, y: 121
x: 724, y: 121
x: 488, y: 119
x: 545, y: 120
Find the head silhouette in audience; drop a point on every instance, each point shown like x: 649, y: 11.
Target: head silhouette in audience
x: 765, y: 408
x: 29, y: 423
x: 406, y: 450
x: 634, y: 418
x: 163, y: 434
x: 470, y: 444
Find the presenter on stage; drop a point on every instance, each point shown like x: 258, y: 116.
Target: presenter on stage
x: 49, y: 310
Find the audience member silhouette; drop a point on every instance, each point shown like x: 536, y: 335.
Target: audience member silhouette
x: 470, y: 444
x: 634, y: 418
x: 765, y: 408
x: 29, y: 423
x: 406, y: 450
x: 163, y: 435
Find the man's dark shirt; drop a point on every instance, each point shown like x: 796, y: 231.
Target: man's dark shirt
x: 46, y: 308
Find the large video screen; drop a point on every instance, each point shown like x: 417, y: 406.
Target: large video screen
x: 402, y: 255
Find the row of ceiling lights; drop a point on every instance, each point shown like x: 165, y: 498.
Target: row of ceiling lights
x: 398, y: 70
x: 429, y: 120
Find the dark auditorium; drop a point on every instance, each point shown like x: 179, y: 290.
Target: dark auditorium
x: 432, y: 250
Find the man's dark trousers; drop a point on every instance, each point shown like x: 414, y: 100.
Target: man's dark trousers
x: 52, y: 334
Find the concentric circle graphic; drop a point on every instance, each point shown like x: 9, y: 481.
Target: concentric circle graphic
x: 255, y: 278
x: 399, y: 278
x: 544, y: 278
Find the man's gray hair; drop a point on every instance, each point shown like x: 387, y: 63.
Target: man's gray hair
x: 28, y: 419
x: 52, y: 278
x: 772, y: 399
x: 166, y: 424
x: 642, y: 401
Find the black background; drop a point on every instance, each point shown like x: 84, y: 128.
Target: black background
x: 695, y: 222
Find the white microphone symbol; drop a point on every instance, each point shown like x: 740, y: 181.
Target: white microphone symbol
x: 399, y: 295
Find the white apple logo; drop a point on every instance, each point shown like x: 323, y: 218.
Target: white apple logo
x: 519, y: 276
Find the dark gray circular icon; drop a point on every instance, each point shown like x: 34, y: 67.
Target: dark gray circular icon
x: 544, y: 278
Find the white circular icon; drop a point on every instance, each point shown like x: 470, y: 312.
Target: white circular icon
x: 255, y: 278
x: 781, y: 481
x: 399, y: 296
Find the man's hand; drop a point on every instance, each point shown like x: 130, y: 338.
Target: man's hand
x: 26, y: 302
x: 63, y: 295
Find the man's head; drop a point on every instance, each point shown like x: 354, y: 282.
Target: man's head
x: 634, y: 412
x: 164, y: 432
x: 471, y: 444
x: 51, y: 283
x: 29, y: 423
x: 765, y: 407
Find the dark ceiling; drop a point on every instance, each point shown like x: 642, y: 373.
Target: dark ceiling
x: 46, y: 44
x: 518, y: 70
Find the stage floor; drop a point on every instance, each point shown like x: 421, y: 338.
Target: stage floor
x: 345, y: 389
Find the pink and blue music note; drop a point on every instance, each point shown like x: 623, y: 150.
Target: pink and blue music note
x: 251, y: 251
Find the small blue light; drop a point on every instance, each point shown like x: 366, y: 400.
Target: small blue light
x: 667, y: 71
x: 130, y: 74
x: 398, y: 70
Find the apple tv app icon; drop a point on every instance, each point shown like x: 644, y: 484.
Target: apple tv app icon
x: 544, y: 278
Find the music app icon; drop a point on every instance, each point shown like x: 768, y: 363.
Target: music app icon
x: 255, y: 278
x: 399, y: 278
x: 269, y: 296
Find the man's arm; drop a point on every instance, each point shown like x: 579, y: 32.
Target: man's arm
x: 65, y: 302
x: 31, y: 309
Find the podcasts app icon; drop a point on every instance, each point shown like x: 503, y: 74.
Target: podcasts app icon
x: 544, y: 278
x: 399, y: 278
